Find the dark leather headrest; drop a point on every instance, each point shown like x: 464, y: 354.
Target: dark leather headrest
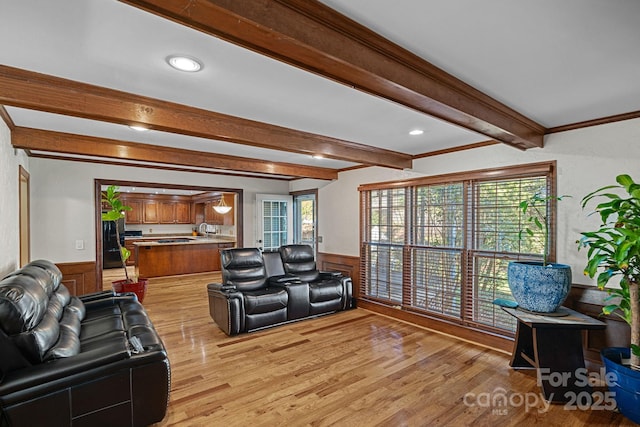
x: 296, y: 253
x: 43, y: 278
x: 241, y: 258
x: 23, y: 303
x: 51, y: 269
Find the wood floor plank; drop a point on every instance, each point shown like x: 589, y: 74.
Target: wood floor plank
x: 353, y: 368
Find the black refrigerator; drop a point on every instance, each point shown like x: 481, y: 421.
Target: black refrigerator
x: 110, y: 250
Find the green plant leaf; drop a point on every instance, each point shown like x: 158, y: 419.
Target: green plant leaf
x: 593, y: 194
x: 524, y: 205
x: 538, y: 223
x: 111, y: 216
x: 125, y: 253
x: 625, y: 181
x: 608, y: 309
x: 603, y: 278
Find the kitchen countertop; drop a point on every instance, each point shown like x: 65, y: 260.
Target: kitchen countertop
x: 190, y: 240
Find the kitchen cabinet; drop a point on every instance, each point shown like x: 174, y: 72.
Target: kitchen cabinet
x: 167, y: 213
x: 134, y: 216
x: 129, y: 244
x: 183, y: 213
x: 155, y: 260
x: 175, y: 212
x: 209, y: 212
x: 151, y: 215
x: 172, y: 209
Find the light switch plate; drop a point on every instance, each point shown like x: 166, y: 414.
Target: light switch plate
x: 79, y: 244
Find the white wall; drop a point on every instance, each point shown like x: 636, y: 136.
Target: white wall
x: 10, y: 160
x: 62, y: 196
x: 62, y: 192
x: 586, y: 158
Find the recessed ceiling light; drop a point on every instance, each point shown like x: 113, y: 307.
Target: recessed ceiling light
x: 139, y: 128
x: 416, y: 132
x: 317, y: 156
x: 184, y: 63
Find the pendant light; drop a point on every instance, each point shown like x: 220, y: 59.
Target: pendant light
x: 222, y: 207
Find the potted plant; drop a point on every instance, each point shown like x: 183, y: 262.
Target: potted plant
x: 538, y: 286
x: 111, y: 198
x: 614, y: 252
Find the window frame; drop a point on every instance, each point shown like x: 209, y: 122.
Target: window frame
x: 468, y: 180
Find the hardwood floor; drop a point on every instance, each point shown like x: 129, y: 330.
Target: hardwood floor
x: 354, y: 368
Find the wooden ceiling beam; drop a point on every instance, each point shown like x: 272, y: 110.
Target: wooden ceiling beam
x: 316, y: 38
x: 27, y: 89
x: 59, y: 142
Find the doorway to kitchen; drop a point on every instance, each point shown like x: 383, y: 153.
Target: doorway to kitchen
x: 153, y: 219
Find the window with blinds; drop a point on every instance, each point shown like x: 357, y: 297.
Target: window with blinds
x: 386, y: 237
x: 441, y: 245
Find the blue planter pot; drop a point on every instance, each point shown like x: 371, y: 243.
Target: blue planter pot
x: 539, y: 288
x: 627, y: 383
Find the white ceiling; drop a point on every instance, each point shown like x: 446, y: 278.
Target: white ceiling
x: 556, y: 62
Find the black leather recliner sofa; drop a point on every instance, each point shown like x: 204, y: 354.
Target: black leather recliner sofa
x: 92, y: 360
x: 260, y: 290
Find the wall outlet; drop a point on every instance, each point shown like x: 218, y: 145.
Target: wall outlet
x: 79, y: 245
x: 150, y: 230
x: 319, y: 239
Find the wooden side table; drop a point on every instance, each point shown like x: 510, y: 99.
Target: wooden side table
x: 553, y: 345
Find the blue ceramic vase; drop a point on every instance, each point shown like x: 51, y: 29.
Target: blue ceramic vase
x: 539, y: 288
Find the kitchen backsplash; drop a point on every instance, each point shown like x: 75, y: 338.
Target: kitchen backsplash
x: 165, y: 229
x: 161, y: 228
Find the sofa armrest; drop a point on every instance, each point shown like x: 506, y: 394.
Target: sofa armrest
x: 226, y: 308
x: 283, y: 279
x: 96, y: 296
x: 39, y: 380
x: 59, y: 369
x: 330, y: 274
x: 220, y: 287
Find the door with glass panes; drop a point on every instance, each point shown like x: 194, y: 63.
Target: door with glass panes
x: 274, y: 226
x: 304, y: 222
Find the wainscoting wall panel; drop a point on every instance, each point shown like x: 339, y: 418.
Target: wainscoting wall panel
x: 80, y: 277
x: 590, y: 300
x: 347, y: 265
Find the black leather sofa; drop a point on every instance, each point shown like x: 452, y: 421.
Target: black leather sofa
x: 95, y: 360
x: 261, y: 290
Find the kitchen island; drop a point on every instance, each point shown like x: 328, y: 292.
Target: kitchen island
x: 170, y: 256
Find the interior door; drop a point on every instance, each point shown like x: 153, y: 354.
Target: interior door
x: 304, y: 223
x: 274, y: 221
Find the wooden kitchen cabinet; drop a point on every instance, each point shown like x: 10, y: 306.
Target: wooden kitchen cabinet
x: 128, y: 243
x: 183, y: 213
x: 167, y: 212
x: 134, y: 216
x: 172, y: 259
x: 175, y: 212
x: 151, y: 214
x: 209, y: 212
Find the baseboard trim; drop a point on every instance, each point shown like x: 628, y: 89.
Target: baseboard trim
x: 461, y: 332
